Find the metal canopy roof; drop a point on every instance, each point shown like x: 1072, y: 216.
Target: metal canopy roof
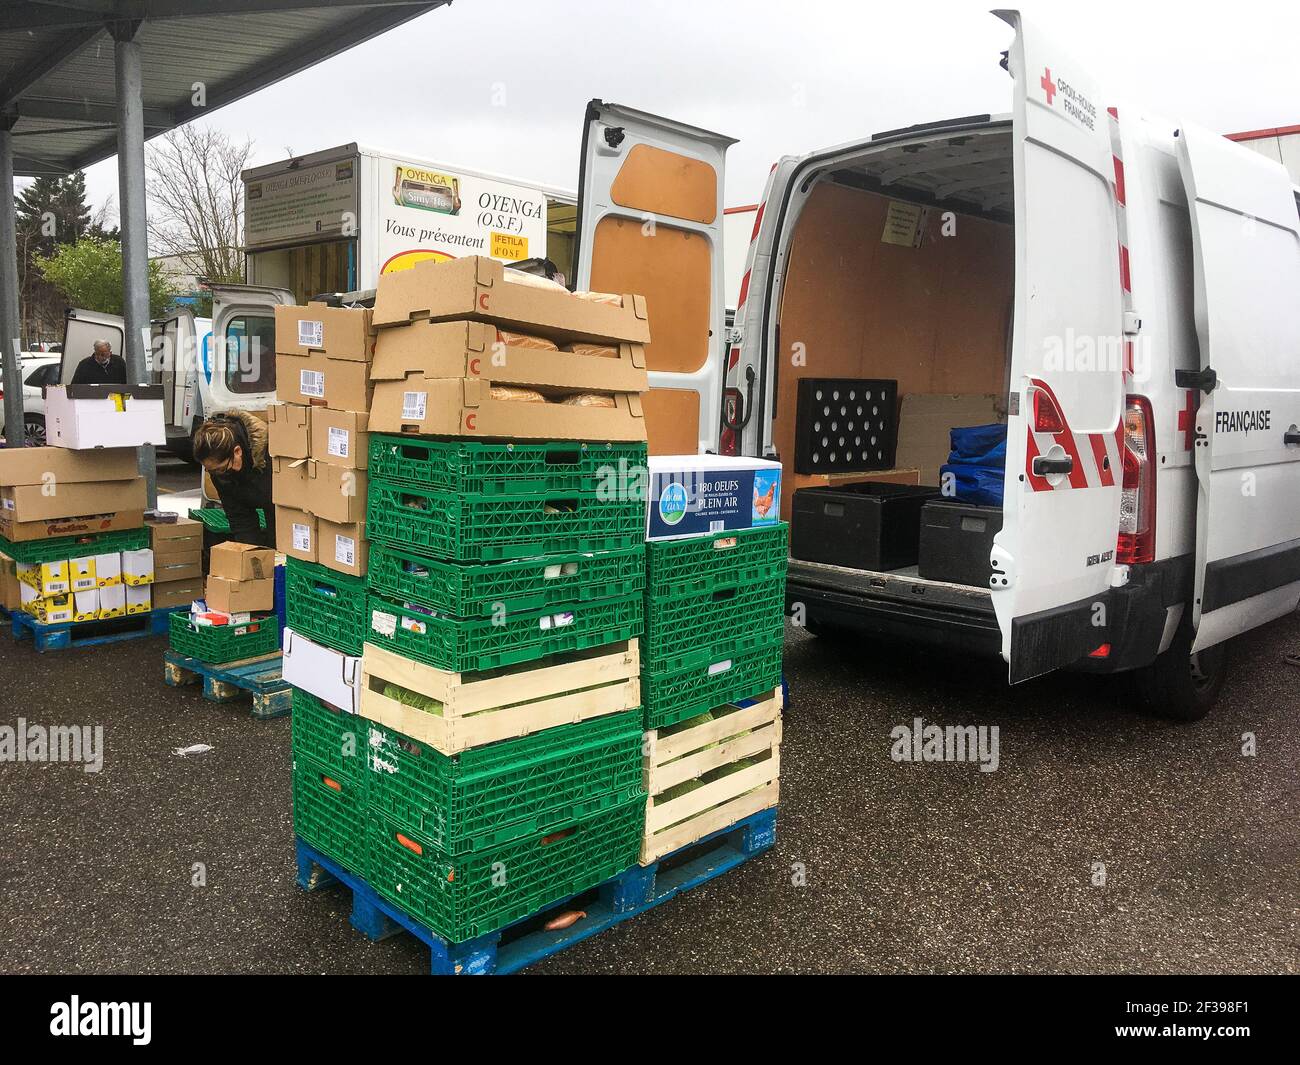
x: 57, y: 85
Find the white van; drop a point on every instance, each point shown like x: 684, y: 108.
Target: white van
x: 1122, y: 289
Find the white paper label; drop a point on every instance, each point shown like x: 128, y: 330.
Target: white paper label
x: 719, y: 667
x: 339, y: 442
x: 311, y: 334
x: 414, y: 405
x: 417, y: 627
x: 301, y: 537
x: 555, y: 621
x: 345, y: 550
x: 312, y: 383
x: 382, y: 623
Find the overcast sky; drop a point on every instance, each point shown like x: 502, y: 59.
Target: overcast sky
x: 782, y: 78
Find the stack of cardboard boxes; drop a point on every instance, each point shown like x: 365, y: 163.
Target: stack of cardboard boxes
x: 498, y: 678
x: 232, y: 620
x: 177, y: 562
x: 72, y: 530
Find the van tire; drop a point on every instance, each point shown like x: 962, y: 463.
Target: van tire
x: 1182, y: 686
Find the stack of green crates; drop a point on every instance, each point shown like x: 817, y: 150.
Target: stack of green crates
x: 715, y: 612
x: 482, y: 555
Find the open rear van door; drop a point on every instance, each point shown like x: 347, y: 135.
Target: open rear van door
x: 80, y: 331
x: 1246, y: 241
x: 1053, y: 559
x: 239, y: 363
x: 650, y: 222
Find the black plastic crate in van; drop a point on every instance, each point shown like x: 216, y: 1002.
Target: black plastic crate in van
x: 872, y: 526
x: 956, y: 539
x: 845, y: 424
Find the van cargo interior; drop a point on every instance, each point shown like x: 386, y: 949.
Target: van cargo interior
x: 901, y: 267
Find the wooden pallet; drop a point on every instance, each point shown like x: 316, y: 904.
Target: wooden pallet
x: 259, y: 677
x: 526, y: 942
x: 671, y: 758
x: 500, y: 704
x: 69, y: 634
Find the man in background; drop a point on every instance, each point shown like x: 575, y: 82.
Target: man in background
x: 101, y: 367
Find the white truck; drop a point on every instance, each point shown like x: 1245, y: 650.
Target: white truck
x: 328, y: 222
x: 1120, y: 288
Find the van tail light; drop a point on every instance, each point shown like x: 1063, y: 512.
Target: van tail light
x: 1047, y: 419
x: 733, y: 414
x: 1137, y: 506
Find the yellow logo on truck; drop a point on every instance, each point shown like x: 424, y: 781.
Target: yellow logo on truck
x: 404, y: 260
x: 509, y: 246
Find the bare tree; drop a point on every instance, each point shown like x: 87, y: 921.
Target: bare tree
x: 196, y: 200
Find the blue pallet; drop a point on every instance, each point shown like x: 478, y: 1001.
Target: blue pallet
x: 67, y: 634
x: 620, y: 898
x: 262, y: 679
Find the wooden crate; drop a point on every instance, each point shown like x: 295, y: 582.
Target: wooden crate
x: 672, y: 759
x: 501, y: 704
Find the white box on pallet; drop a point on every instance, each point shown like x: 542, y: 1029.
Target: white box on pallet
x: 326, y: 673
x: 694, y: 495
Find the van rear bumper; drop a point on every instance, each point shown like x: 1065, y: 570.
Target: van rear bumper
x: 884, y: 604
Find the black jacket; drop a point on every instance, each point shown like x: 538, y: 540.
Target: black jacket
x: 89, y: 372
x: 247, y: 490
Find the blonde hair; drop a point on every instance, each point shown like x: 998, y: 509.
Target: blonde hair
x: 214, y: 441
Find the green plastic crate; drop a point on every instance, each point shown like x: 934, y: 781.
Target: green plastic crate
x: 325, y: 605
x: 215, y: 520
x: 674, y: 696
x: 218, y: 644
x: 329, y: 812
x: 701, y: 627
x: 460, y: 898
x: 32, y: 552
x: 464, y: 645
x: 330, y: 737
x: 501, y: 792
x: 527, y: 584
x: 473, y: 468
x: 477, y: 528
x: 700, y: 563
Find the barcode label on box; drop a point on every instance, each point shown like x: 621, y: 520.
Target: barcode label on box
x: 301, y: 537
x: 383, y: 623
x: 311, y: 334
x: 339, y: 442
x: 312, y: 383
x: 415, y: 405
x: 345, y: 550
x: 717, y: 526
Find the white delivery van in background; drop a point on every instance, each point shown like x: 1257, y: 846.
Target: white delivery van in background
x: 1121, y: 290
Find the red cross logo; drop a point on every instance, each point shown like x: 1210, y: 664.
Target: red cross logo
x: 1187, y: 421
x: 1049, y: 86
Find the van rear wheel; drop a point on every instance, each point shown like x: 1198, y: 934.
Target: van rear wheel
x: 1180, y: 685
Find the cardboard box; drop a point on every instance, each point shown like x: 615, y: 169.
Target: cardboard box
x: 475, y: 287
x: 29, y: 598
x: 32, y: 502
x: 289, y: 481
x: 694, y: 495
x: 339, y: 332
x: 10, y: 597
x: 139, y: 599
x: 184, y: 536
x: 326, y: 673
x: 93, y: 416
x: 108, y: 569
x: 137, y: 568
x: 85, y: 605
x: 466, y: 408
x: 233, y: 596
x: 47, y: 578
x: 242, y: 562
x: 334, y: 493
x: 168, y: 595
x: 112, y: 601
x: 474, y: 350
x: 56, y: 609
x: 925, y: 421
x: 23, y: 531
x: 295, y: 533
x: 339, y: 438
x: 58, y: 465
x: 81, y: 574
x: 288, y: 428
x: 320, y: 381
x: 173, y: 571
x: 342, y: 546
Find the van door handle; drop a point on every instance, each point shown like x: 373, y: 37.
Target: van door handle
x: 1044, y: 465
x: 1291, y: 436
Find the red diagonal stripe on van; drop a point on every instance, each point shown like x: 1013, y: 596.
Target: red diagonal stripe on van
x: 1078, y: 478
x: 1124, y: 279
x: 758, y: 221
x: 744, y: 291
x: 1119, y: 179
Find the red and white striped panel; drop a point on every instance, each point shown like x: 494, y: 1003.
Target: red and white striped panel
x: 1096, y: 455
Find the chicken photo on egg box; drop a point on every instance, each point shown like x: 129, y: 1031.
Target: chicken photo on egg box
x: 695, y: 495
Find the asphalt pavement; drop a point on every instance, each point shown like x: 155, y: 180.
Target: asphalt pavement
x: 1105, y: 841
